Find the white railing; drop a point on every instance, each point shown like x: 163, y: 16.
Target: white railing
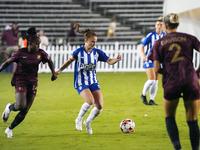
x: 132, y: 60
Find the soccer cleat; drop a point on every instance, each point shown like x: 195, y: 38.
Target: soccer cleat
x: 78, y: 124
x: 9, y: 133
x: 88, y: 127
x: 151, y: 102
x: 144, y: 99
x: 6, y: 113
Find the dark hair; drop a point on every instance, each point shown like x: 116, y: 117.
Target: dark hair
x: 87, y: 32
x: 172, y: 20
x: 23, y: 34
x: 32, y: 35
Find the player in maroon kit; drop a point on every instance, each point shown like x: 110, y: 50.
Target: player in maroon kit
x: 25, y: 78
x: 175, y: 52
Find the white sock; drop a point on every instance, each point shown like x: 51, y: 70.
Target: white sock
x: 93, y: 114
x: 153, y: 90
x: 84, y: 109
x: 147, y: 86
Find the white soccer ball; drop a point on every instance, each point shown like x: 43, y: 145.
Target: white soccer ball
x: 127, y: 126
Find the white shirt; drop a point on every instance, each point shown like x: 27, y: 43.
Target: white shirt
x: 44, y: 41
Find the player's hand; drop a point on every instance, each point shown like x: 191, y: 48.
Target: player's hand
x: 144, y: 58
x: 53, y: 77
x: 119, y: 57
x: 58, y: 72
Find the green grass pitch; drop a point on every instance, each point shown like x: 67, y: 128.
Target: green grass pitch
x: 49, y: 125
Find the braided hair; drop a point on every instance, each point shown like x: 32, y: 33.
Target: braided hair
x: 87, y: 32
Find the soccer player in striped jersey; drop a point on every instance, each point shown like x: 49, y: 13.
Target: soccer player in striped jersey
x: 151, y: 84
x: 85, y: 79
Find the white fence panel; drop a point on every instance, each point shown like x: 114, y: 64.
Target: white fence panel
x: 131, y: 62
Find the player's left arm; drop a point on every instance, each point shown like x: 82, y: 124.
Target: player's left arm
x: 112, y: 61
x: 51, y: 66
x: 5, y: 64
x: 157, y: 67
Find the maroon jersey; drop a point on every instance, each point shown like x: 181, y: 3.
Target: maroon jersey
x: 9, y: 38
x: 175, y: 52
x: 27, y: 65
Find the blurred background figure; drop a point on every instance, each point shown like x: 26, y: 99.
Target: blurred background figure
x: 44, y: 39
x: 72, y: 33
x: 2, y: 52
x: 11, y: 43
x: 112, y: 28
x: 15, y: 30
x: 151, y: 85
x: 22, y: 42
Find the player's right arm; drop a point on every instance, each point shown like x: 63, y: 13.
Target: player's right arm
x: 157, y: 67
x: 5, y: 64
x: 144, y: 57
x: 65, y: 65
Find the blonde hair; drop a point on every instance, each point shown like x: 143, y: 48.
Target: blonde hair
x: 87, y: 32
x: 172, y: 20
x: 160, y: 19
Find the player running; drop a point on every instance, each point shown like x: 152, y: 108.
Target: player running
x: 85, y: 79
x: 25, y: 78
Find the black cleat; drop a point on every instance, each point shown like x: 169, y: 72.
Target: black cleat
x: 151, y: 102
x: 144, y: 100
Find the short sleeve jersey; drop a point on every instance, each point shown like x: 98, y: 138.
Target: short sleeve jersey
x: 27, y: 65
x: 150, y: 40
x: 85, y: 65
x: 175, y: 52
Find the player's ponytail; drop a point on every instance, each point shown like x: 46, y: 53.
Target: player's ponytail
x: 172, y: 20
x: 87, y: 32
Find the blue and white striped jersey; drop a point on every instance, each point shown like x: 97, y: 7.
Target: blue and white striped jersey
x: 85, y: 65
x: 149, y: 41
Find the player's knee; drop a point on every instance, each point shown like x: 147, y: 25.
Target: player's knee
x: 90, y: 102
x: 99, y: 106
x: 20, y: 106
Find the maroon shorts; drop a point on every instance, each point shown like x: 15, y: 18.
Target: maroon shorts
x: 187, y: 91
x: 26, y: 88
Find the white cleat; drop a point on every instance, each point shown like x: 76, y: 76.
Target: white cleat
x: 78, y: 124
x: 88, y: 127
x: 9, y: 133
x: 6, y: 113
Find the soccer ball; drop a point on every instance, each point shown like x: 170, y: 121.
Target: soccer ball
x: 127, y: 126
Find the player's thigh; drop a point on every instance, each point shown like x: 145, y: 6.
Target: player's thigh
x: 98, y: 98
x: 20, y: 100
x: 150, y: 73
x: 30, y: 99
x: 87, y: 96
x: 192, y: 109
x: 170, y: 107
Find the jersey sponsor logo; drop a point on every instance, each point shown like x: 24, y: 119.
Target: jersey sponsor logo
x: 89, y: 67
